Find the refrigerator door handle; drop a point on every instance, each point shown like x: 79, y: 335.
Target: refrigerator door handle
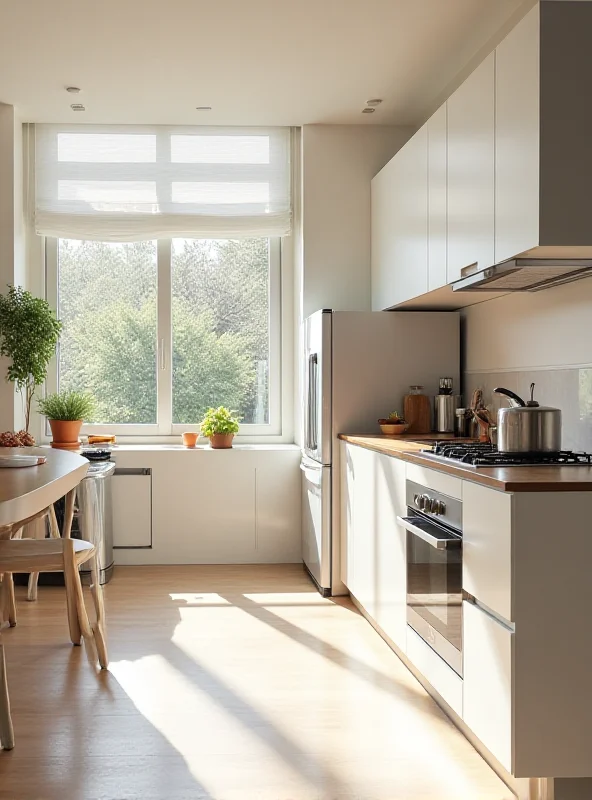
x: 307, y: 410
x: 312, y: 401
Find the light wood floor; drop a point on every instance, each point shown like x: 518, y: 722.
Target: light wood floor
x: 232, y: 683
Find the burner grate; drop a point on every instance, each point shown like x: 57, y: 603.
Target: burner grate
x: 483, y: 454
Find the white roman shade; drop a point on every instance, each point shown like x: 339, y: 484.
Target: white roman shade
x: 127, y: 183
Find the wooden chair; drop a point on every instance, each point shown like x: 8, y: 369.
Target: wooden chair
x: 55, y: 554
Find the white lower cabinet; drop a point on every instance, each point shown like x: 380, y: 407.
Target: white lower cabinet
x: 363, y: 584
x: 390, y: 610
x: 487, y: 681
x: 435, y: 670
x: 372, y: 495
x: 487, y: 547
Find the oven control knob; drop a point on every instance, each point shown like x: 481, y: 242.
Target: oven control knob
x: 424, y: 502
x: 441, y: 507
x: 416, y: 499
x: 432, y: 506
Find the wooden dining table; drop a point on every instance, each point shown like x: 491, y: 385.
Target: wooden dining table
x: 27, y: 491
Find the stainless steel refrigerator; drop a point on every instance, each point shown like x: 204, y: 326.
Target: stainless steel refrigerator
x: 356, y: 367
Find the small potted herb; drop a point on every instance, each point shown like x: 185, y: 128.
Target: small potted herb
x: 393, y: 425
x: 220, y: 425
x: 66, y: 411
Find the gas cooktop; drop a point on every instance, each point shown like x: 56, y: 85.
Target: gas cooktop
x: 486, y: 455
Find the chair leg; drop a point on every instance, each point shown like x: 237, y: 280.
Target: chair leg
x: 99, y: 627
x: 71, y: 579
x: 8, y: 601
x: 54, y: 530
x: 68, y: 513
x: 6, y: 731
x: 74, y: 588
x: 32, y: 586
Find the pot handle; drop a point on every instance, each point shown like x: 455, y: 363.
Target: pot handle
x: 515, y: 400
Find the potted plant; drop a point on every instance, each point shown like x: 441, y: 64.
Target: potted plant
x: 66, y: 411
x: 393, y: 425
x: 29, y: 332
x: 220, y: 426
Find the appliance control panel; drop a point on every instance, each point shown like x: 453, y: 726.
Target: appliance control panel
x: 435, y: 504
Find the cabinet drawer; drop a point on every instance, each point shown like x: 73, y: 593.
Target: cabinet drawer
x: 487, y: 681
x: 433, y: 479
x: 435, y: 670
x: 487, y: 547
x: 132, y: 508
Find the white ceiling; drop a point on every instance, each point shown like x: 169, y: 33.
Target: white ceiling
x: 285, y: 62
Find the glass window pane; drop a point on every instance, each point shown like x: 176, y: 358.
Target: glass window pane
x: 107, y: 148
x: 229, y: 192
x: 203, y: 149
x: 112, y: 195
x: 220, y: 317
x: 107, y: 304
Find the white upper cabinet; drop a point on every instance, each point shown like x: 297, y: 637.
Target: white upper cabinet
x: 437, y: 200
x: 503, y: 169
x: 400, y: 225
x: 543, y: 166
x: 471, y: 171
x: 517, y: 139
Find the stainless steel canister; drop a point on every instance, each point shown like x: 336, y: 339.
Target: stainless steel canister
x: 445, y: 406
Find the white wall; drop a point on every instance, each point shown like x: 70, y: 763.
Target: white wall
x: 547, y: 329
x: 338, y: 163
x: 12, y: 239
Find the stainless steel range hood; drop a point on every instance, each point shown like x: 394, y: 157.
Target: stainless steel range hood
x: 524, y: 275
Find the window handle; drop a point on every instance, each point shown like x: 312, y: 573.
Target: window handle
x: 161, y: 355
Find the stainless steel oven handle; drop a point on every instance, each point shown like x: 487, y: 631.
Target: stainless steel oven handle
x: 434, y: 541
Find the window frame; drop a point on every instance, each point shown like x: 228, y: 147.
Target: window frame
x: 164, y: 428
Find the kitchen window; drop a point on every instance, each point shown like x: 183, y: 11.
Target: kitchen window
x: 163, y: 262
x: 160, y: 330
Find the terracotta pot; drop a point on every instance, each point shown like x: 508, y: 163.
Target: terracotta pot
x: 189, y: 439
x: 65, y: 433
x: 221, y: 441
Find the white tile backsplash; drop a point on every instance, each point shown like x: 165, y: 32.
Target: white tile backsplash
x: 567, y: 389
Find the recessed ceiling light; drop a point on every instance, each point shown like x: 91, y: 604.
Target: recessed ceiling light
x: 373, y: 103
x: 77, y: 107
x: 72, y: 89
x: 203, y: 108
x: 368, y: 110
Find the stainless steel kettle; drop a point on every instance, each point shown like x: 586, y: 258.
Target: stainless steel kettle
x: 527, y: 427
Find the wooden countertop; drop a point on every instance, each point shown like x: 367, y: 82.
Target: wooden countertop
x: 25, y: 491
x: 505, y: 479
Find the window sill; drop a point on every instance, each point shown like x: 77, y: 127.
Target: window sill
x: 150, y: 448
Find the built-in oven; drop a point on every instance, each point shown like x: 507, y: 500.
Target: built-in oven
x: 434, y: 570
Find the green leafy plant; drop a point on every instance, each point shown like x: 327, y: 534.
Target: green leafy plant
x: 29, y: 332
x: 67, y: 405
x: 219, y: 420
x: 393, y: 418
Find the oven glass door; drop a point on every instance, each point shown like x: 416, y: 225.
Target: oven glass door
x: 434, y: 586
